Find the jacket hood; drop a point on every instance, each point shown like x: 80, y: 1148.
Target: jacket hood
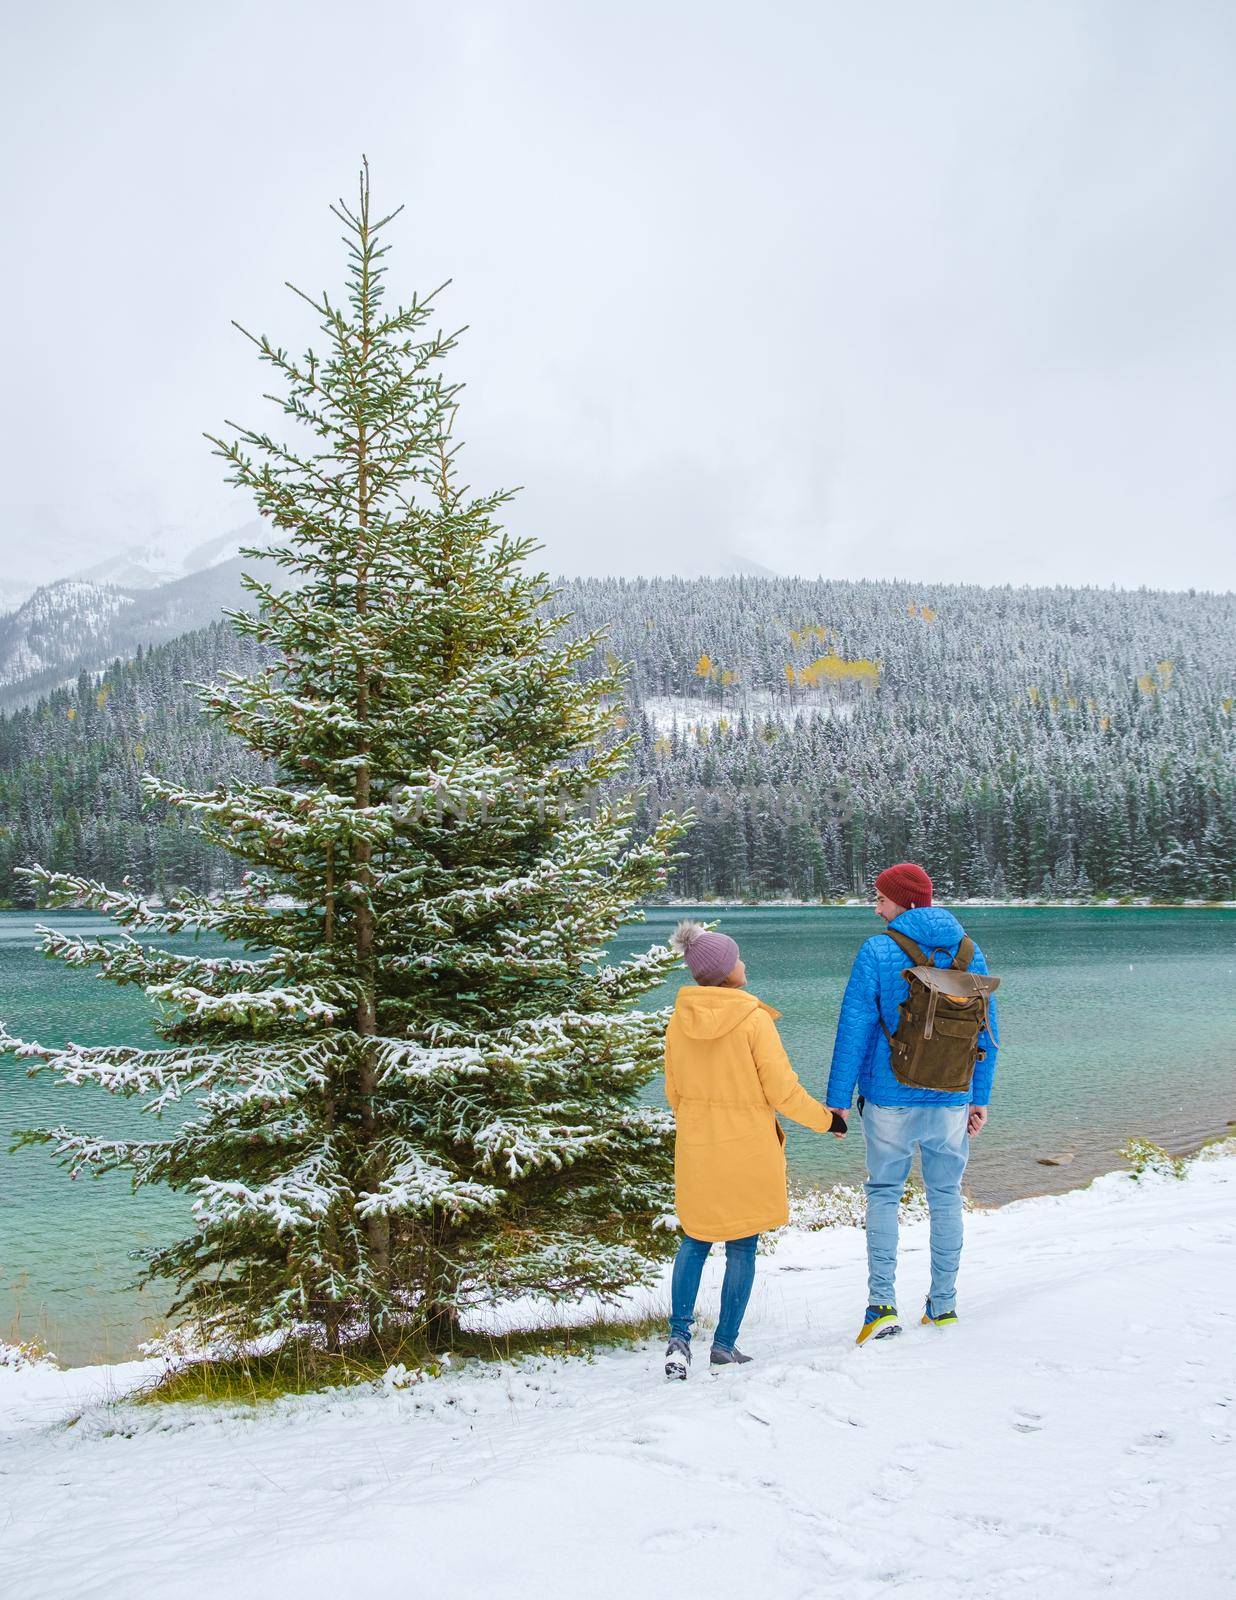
x: 932, y: 927
x: 704, y: 1011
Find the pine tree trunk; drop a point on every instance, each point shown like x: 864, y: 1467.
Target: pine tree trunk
x: 377, y: 1229
x: 441, y: 1326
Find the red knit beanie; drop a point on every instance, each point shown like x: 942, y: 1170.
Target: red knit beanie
x: 906, y: 884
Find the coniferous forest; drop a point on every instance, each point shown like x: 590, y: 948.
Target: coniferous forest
x: 1021, y: 742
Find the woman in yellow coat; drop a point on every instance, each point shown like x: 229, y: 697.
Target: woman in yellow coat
x: 726, y: 1077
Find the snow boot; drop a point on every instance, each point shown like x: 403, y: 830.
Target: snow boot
x: 677, y: 1359
x: 946, y: 1319
x: 880, y: 1322
x: 723, y: 1356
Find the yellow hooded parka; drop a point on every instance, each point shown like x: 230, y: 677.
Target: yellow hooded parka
x: 726, y: 1077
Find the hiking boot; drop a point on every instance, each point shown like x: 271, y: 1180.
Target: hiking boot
x: 880, y: 1322
x: 727, y: 1356
x: 677, y: 1359
x: 946, y: 1319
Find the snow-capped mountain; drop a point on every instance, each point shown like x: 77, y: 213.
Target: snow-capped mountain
x: 141, y: 566
x: 153, y: 564
x: 66, y: 626
x: 58, y: 622
x: 227, y: 546
x: 139, y: 597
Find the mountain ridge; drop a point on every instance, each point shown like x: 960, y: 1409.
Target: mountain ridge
x: 76, y: 625
x: 1054, y: 742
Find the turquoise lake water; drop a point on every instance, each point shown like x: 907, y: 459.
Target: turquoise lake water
x: 1113, y: 1022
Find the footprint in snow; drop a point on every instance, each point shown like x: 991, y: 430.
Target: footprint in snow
x: 1138, y: 1494
x: 896, y: 1482
x: 1203, y: 1532
x: 1052, y: 1369
x: 1149, y: 1441
x: 1037, y: 1574
x: 679, y: 1538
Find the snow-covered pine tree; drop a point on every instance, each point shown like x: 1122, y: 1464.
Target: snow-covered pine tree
x: 415, y: 1088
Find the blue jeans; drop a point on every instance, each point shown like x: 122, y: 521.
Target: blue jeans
x: 890, y: 1134
x: 735, y: 1288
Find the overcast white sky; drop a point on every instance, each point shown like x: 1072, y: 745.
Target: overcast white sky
x: 863, y: 290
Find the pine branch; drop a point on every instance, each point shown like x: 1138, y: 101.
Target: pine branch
x: 300, y: 1198
x: 419, y: 1186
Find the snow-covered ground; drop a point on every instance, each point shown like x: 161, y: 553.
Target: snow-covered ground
x: 1075, y: 1436
x: 666, y: 712
x: 1038, y: 903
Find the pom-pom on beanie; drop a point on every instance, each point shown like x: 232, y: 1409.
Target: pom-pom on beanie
x: 906, y: 884
x: 710, y: 956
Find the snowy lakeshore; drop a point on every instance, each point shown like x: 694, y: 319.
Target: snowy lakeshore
x: 1033, y: 903
x: 1074, y: 1436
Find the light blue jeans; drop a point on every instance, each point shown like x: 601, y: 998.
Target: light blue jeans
x: 735, y: 1287
x: 890, y: 1134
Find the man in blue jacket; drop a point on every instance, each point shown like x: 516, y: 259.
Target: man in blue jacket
x: 896, y: 1117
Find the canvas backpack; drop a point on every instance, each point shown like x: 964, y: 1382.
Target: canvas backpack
x: 936, y: 1043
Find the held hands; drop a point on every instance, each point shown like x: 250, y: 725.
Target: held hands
x: 975, y: 1122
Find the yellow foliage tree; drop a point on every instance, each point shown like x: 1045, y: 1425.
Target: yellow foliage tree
x: 834, y: 668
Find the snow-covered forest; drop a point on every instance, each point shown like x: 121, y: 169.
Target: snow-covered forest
x: 70, y: 770
x: 1023, y: 742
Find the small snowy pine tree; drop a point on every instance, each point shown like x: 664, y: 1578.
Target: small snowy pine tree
x: 415, y: 1089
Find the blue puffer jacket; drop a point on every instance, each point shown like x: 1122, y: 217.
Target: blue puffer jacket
x: 876, y: 989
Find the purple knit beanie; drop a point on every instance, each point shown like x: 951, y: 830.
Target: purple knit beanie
x: 710, y: 956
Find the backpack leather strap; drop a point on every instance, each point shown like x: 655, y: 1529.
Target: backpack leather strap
x: 909, y: 948
x: 965, y: 955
